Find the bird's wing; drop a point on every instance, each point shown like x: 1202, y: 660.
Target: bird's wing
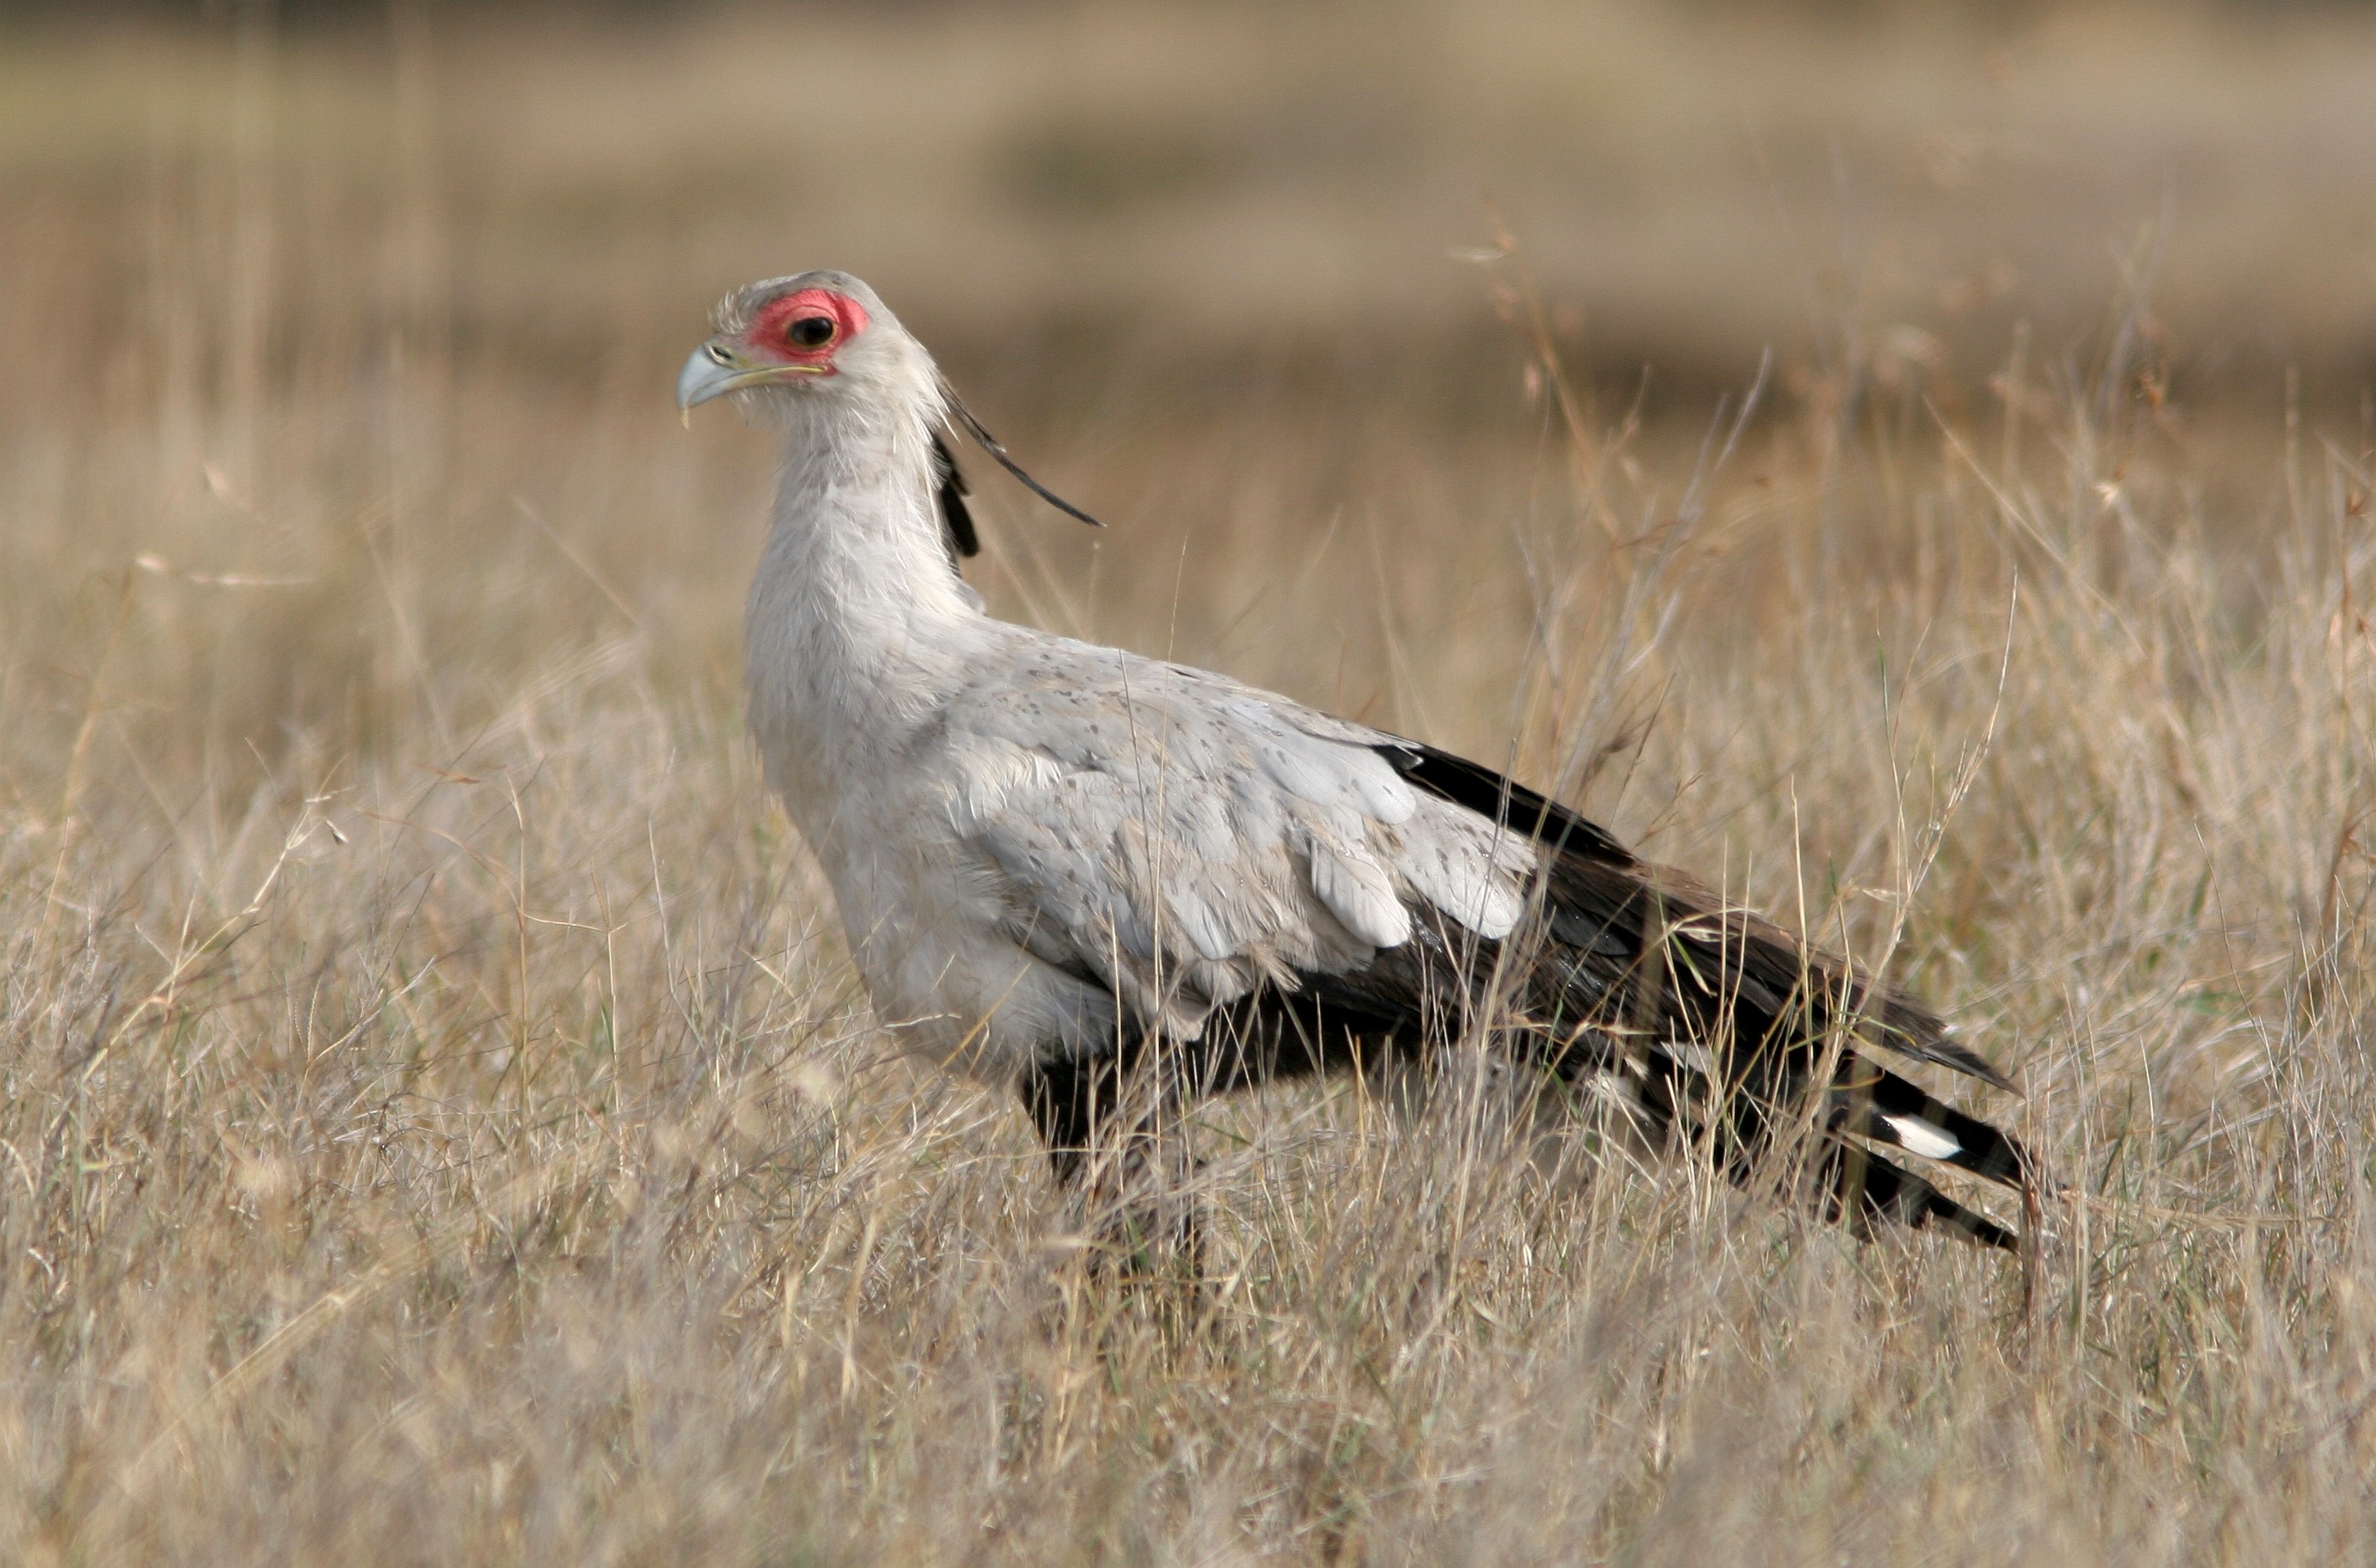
x: 1186, y: 839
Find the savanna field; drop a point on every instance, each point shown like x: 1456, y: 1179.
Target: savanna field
x: 1910, y: 467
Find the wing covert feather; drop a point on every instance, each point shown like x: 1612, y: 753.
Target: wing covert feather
x: 1187, y: 839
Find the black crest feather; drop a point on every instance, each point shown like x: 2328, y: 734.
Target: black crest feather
x: 989, y: 445
x: 957, y: 522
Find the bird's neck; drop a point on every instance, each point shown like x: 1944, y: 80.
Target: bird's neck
x: 858, y: 628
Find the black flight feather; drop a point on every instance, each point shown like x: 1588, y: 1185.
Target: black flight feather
x: 1710, y: 1021
x: 1506, y: 800
x: 1630, y: 961
x: 1765, y: 956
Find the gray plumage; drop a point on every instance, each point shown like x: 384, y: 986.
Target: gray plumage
x: 1064, y: 865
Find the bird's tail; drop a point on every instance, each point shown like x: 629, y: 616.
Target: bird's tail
x: 1716, y: 1025
x: 1729, y: 1032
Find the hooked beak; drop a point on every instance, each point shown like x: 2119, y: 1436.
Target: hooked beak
x: 718, y: 367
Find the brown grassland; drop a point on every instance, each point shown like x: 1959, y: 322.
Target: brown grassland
x: 437, y: 1122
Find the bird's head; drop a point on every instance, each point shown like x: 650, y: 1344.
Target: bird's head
x: 789, y: 340
x: 819, y: 354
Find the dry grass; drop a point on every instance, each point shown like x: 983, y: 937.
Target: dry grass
x: 439, y: 1127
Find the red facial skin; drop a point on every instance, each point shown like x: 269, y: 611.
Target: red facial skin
x: 765, y: 336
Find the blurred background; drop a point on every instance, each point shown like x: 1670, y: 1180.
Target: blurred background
x: 373, y: 303
x: 1219, y: 186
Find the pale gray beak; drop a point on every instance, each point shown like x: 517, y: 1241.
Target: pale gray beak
x: 712, y: 371
x: 719, y: 367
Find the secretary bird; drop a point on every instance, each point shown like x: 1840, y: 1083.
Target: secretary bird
x: 1118, y: 885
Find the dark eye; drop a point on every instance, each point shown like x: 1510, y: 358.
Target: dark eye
x: 810, y: 332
